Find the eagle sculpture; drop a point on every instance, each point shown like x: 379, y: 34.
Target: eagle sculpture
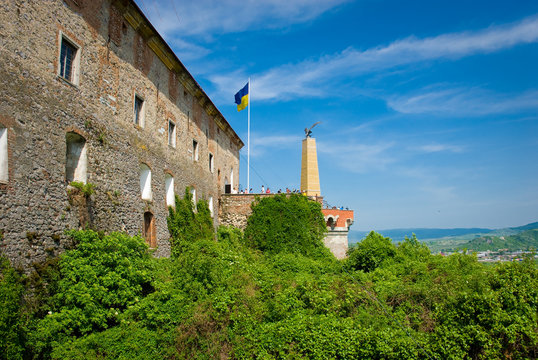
x: 308, y: 131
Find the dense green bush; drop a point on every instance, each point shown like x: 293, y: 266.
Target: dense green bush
x: 11, y: 322
x: 286, y: 223
x: 371, y: 252
x: 99, y: 279
x: 226, y: 295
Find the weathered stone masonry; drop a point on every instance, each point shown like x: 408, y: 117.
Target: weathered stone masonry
x: 119, y: 57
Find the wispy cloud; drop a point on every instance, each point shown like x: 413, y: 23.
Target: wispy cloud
x: 463, y: 101
x: 208, y: 17
x: 307, y: 78
x: 435, y: 148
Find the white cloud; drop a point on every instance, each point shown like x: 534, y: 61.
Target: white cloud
x: 434, y: 148
x: 209, y: 17
x: 188, y: 51
x: 462, y: 101
x: 310, y: 78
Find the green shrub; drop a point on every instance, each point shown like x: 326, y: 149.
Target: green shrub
x: 371, y: 252
x: 11, y: 324
x: 99, y: 279
x: 284, y: 223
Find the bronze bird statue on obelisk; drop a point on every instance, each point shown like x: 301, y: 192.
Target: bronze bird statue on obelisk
x: 308, y: 131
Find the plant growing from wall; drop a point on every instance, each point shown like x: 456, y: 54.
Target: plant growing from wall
x: 187, y: 225
x: 87, y: 189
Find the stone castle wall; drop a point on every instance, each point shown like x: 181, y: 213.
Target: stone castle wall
x: 120, y: 56
x: 234, y: 209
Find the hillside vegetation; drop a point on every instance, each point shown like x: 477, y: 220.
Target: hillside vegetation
x: 521, y: 240
x: 526, y: 240
x: 274, y: 292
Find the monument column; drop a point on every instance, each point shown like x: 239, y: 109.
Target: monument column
x: 309, y: 168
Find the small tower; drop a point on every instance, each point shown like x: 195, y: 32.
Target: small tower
x: 309, y: 168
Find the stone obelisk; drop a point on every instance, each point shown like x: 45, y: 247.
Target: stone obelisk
x: 309, y: 168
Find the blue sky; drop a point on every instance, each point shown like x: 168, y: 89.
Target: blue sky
x: 429, y: 109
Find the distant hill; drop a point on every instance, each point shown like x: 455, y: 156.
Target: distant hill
x: 525, y: 240
x: 530, y: 226
x: 421, y: 233
x: 457, y: 238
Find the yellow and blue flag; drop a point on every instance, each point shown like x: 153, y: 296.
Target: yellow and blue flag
x: 241, y: 98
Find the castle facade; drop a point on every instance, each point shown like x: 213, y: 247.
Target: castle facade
x: 92, y: 96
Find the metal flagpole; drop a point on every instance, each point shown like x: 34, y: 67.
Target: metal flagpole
x: 248, y: 138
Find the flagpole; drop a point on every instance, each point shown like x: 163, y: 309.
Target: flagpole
x: 248, y: 137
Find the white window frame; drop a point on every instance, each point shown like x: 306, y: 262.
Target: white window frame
x: 141, y: 113
x: 172, y: 137
x: 74, y: 78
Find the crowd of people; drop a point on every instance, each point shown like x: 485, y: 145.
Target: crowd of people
x: 280, y: 191
x: 268, y: 191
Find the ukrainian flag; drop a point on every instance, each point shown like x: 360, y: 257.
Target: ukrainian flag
x: 241, y: 98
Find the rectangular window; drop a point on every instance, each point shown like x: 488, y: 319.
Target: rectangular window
x: 210, y: 162
x: 68, y: 61
x: 195, y: 150
x: 4, y: 173
x: 171, y: 133
x: 139, y: 111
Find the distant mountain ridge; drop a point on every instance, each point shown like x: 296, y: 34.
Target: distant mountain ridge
x: 432, y: 234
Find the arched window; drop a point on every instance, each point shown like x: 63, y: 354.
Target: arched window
x: 331, y: 223
x: 145, y: 182
x: 149, y: 229
x: 169, y: 185
x: 76, y: 159
x: 4, y: 169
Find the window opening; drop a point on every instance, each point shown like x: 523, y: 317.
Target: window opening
x: 211, y: 162
x: 210, y: 205
x: 4, y: 169
x: 145, y: 182
x: 76, y: 162
x: 68, y: 54
x: 149, y: 229
x: 171, y: 133
x: 139, y: 111
x: 195, y: 150
x: 169, y: 185
x: 193, y: 198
